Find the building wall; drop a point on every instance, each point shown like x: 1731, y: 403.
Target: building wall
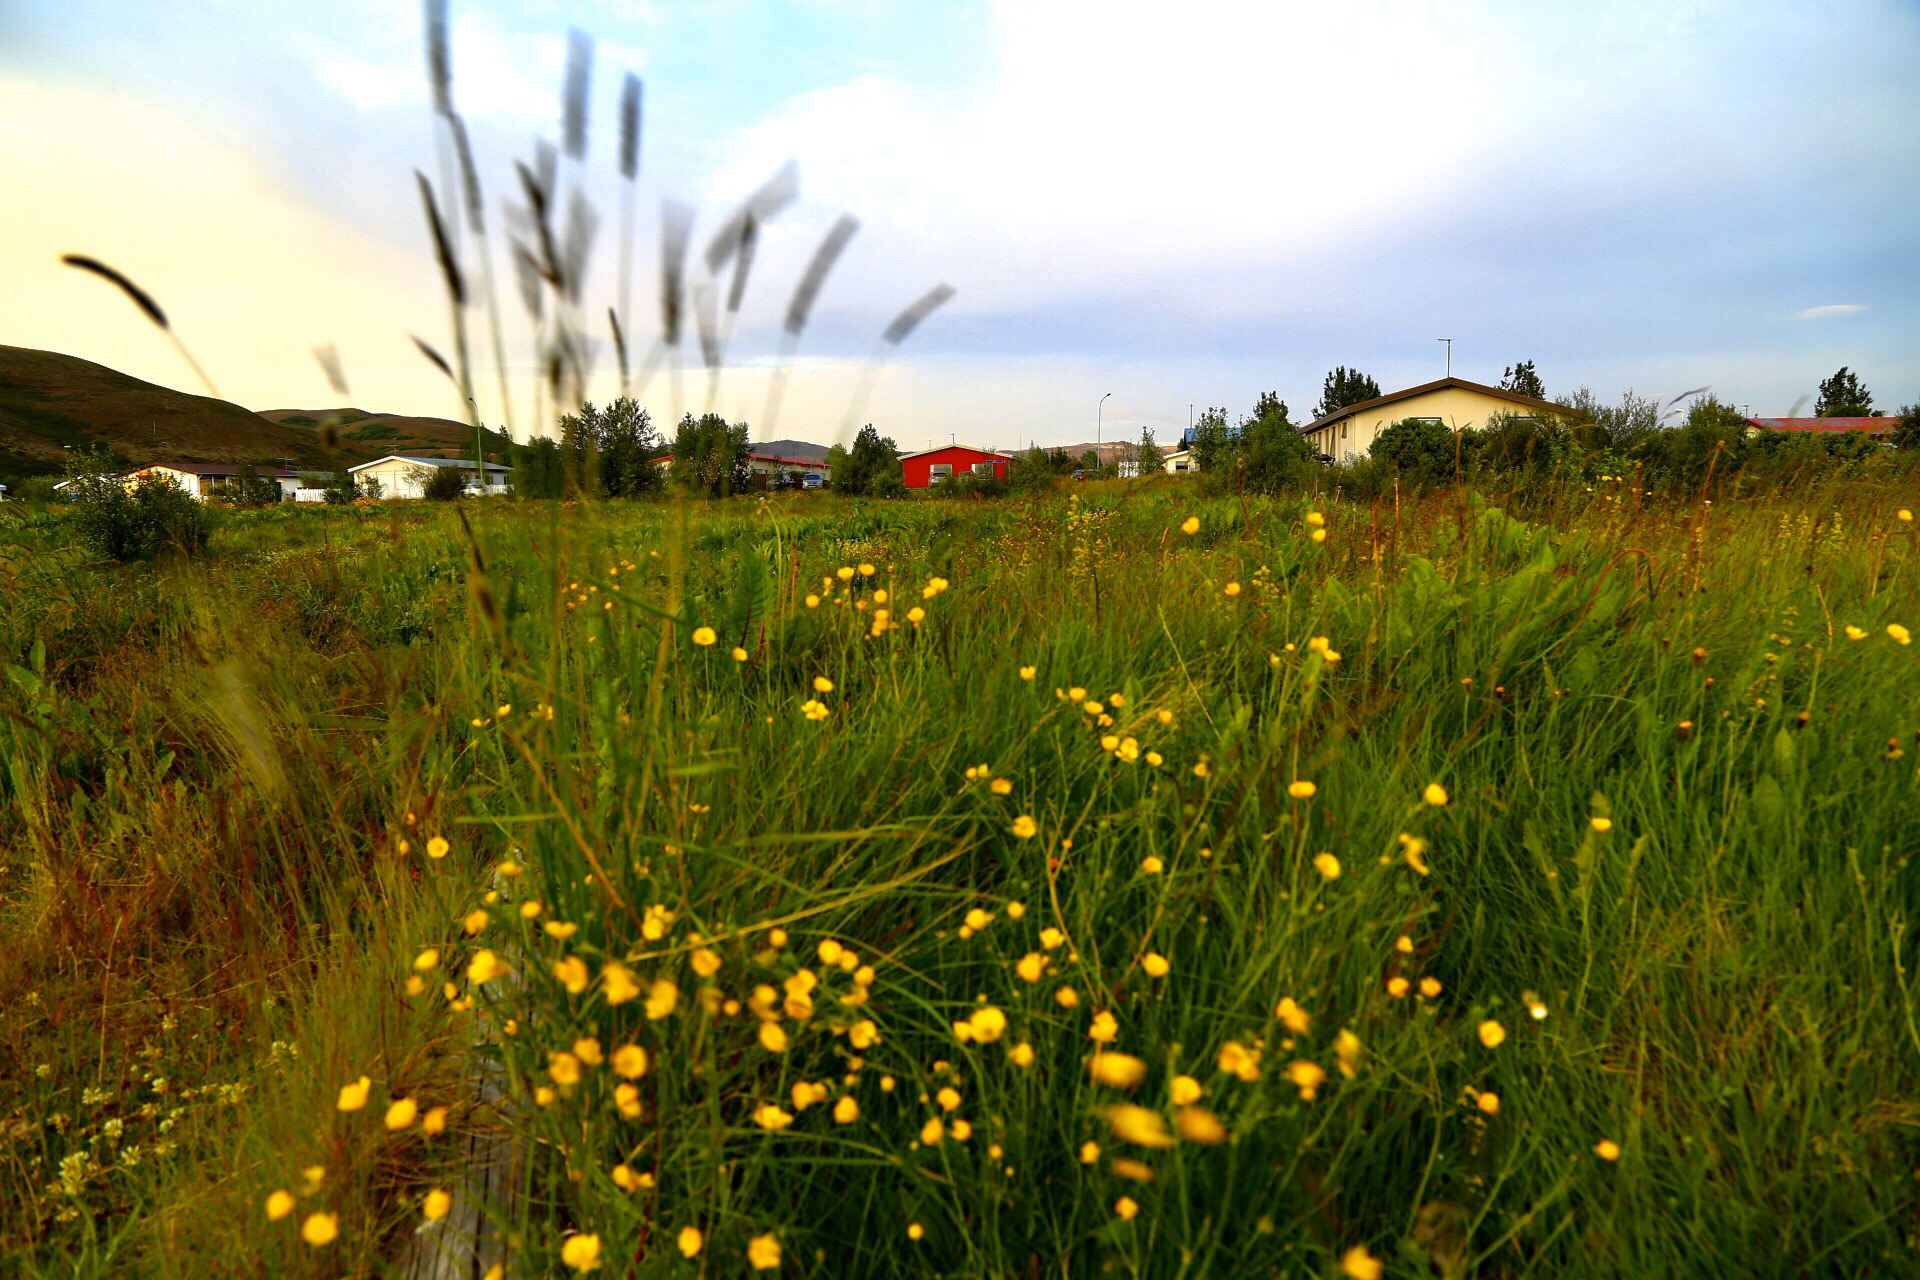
x: 1460, y: 409
x: 917, y: 473
x: 398, y: 479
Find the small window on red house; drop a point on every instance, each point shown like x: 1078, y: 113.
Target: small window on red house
x: 940, y: 471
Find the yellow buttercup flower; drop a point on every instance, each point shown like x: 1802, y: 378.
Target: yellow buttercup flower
x: 763, y: 1253
x: 1489, y: 1103
x: 948, y: 1098
x: 435, y: 1122
x: 320, y: 1229
x: 279, y: 1205
x: 485, y: 967
x: 1430, y: 987
x: 1067, y: 997
x: 1197, y: 1124
x: 476, y: 922
x: 1050, y: 937
x: 915, y: 1231
x: 1315, y: 519
x: 822, y: 685
x: 1899, y: 633
x: 1231, y: 589
x: 863, y: 1034
x: 1435, y: 794
x: 1155, y: 964
x: 1239, y: 1061
x: 560, y: 930
x: 627, y: 1180
x: 581, y: 1252
x: 1184, y: 1090
x: 1191, y: 525
x: 1855, y: 633
x: 1025, y: 827
x: 703, y: 636
x: 1301, y: 789
x: 587, y: 1049
x: 1318, y: 535
x: 571, y: 972
x: 1601, y: 824
x: 690, y: 1242
x: 916, y: 615
x: 705, y: 961
x: 1358, y: 1264
x: 1327, y: 865
x: 662, y: 998
x: 1138, y: 1125
x: 1089, y: 1153
x: 564, y: 1068
x: 846, y: 1111
x: 1028, y: 673
x: 739, y: 655
x: 988, y: 1024
x: 630, y: 1061
x: 400, y: 1114
x: 769, y: 1116
x: 1607, y: 1149
x: 618, y: 984
x: 530, y: 910
x: 1492, y: 1034
x: 773, y: 1037
x: 1397, y: 987
x: 1105, y: 1028
x: 354, y: 1096
x: 436, y: 1205
x: 1016, y: 910
x: 1308, y: 1076
x: 626, y: 1100
x: 932, y: 1132
x: 1152, y: 865
x: 1125, y: 1205
x: 1021, y: 1055
x: 1118, y: 1070
x: 544, y: 1096
x: 427, y: 960
x: 438, y: 847
x: 1297, y: 1020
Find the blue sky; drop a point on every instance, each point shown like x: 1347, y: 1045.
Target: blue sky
x: 1181, y: 204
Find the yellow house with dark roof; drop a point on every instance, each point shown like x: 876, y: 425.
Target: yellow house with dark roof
x: 1347, y: 434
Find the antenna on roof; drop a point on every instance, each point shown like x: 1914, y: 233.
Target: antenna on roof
x: 1449, y: 342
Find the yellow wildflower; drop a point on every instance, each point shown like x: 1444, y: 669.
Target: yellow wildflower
x: 530, y: 910
x: 1327, y: 865
x: 320, y: 1229
x: 1021, y: 1055
x: 564, y: 1068
x: 1301, y: 789
x: 279, y: 1205
x: 1308, y: 1076
x: 618, y: 983
x: 436, y: 1205
x: 1118, y: 1070
x: 1492, y: 1034
x: 560, y: 930
x: 1051, y: 937
x: 739, y: 655
x: 1184, y: 1090
x: 1429, y: 987
x: 706, y: 961
x: 626, y: 1100
x: 543, y: 1096
x: 1607, y: 1149
x: 690, y: 1242
x: 486, y: 966
x: 1855, y: 633
x: 916, y: 615
x: 354, y: 1096
x: 572, y: 973
x: 581, y: 1252
x: 763, y: 1252
x: 1601, y: 825
x: 662, y: 998
x: 915, y: 1231
x: 476, y: 921
x: 1358, y: 1264
x: 1155, y: 964
x: 1028, y: 673
x: 863, y: 1034
x: 1297, y: 1020
x: 401, y: 1113
x: 846, y: 1111
x: 1191, y: 525
x: 587, y: 1049
x: 1435, y: 794
x: 627, y: 1180
x: 1104, y: 1029
x: 1025, y: 827
x: 1197, y: 1124
x: 435, y: 1122
x: 1239, y: 1061
x: 1397, y: 987
x: 1899, y: 633
x: 932, y: 1132
x: 1125, y: 1205
x: 769, y: 1116
x: 1232, y: 589
x: 438, y: 847
x: 1068, y: 998
x: 773, y: 1037
x: 1489, y: 1103
x: 427, y: 960
x: 703, y: 636
x: 988, y: 1024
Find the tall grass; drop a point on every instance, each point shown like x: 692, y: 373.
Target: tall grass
x: 1708, y: 984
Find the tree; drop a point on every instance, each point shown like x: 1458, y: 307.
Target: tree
x: 1343, y: 387
x: 871, y: 468
x: 444, y: 485
x: 1843, y: 396
x: 1090, y: 462
x: 1149, y: 460
x: 602, y: 452
x: 340, y: 488
x: 1521, y: 379
x: 133, y: 523
x: 1210, y: 441
x: 1418, y: 447
x: 250, y: 488
x: 1272, y: 453
x: 1907, y: 434
x: 537, y: 472
x: 710, y: 455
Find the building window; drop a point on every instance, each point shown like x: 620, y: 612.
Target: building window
x: 940, y: 471
x: 983, y: 468
x: 1434, y: 421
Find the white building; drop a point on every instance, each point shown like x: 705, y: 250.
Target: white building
x: 205, y: 480
x: 401, y: 476
x: 1177, y: 463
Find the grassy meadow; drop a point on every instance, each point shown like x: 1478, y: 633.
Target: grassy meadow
x: 1125, y: 883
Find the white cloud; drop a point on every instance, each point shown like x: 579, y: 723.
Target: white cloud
x: 1837, y: 309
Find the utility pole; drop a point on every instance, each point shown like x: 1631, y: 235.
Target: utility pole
x: 1449, y: 342
x: 1099, y: 413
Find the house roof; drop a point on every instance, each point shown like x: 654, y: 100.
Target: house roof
x: 950, y: 448
x: 427, y: 462
x: 1439, y: 384
x: 1872, y: 426
x: 211, y: 469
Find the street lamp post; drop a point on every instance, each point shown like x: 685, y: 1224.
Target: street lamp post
x: 1449, y: 342
x: 1098, y: 417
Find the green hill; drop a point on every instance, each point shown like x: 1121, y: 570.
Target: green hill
x: 50, y: 403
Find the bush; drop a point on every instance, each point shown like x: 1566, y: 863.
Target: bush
x: 1421, y: 450
x: 444, y: 485
x: 36, y: 489
x: 125, y: 524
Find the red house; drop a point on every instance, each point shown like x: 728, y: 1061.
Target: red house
x: 923, y: 470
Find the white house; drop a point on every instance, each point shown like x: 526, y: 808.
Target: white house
x: 401, y: 476
x: 203, y: 480
x: 1348, y: 434
x: 1177, y: 463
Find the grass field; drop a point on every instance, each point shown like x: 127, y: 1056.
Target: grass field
x: 1002, y: 935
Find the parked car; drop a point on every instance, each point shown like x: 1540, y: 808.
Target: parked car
x: 783, y: 480
x: 812, y: 480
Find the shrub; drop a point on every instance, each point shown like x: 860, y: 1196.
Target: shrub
x: 138, y: 523
x: 444, y: 485
x: 1421, y: 450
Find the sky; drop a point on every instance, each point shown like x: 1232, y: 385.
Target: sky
x: 1181, y: 205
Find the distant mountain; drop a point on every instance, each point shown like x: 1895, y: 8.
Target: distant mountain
x: 50, y: 403
x: 378, y: 434
x: 794, y: 449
